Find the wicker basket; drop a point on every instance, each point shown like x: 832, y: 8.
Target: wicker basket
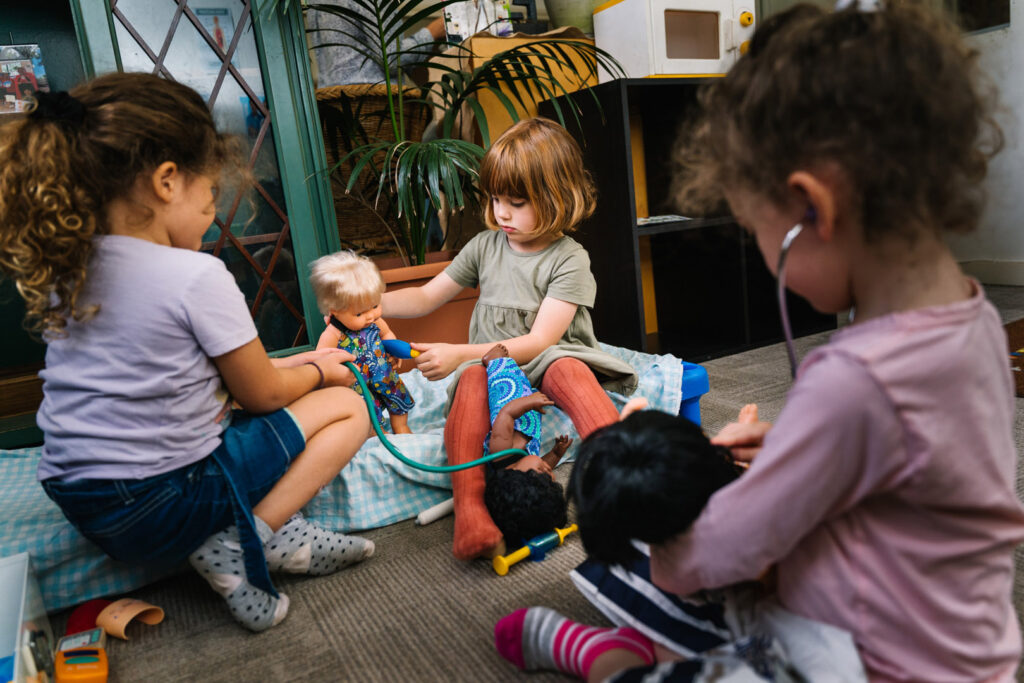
x: 360, y: 226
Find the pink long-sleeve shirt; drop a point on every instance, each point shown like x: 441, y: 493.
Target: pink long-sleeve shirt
x: 885, y: 496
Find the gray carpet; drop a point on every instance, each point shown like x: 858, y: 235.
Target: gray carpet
x: 412, y: 612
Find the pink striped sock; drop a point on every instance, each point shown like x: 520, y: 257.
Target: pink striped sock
x: 540, y: 638
x: 577, y: 645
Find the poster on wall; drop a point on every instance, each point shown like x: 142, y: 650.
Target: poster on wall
x: 21, y: 75
x: 219, y: 23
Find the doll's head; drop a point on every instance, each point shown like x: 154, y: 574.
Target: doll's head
x: 349, y: 287
x: 524, y: 504
x: 538, y: 161
x: 646, y: 478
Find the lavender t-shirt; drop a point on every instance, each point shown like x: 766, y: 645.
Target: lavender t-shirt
x: 132, y: 392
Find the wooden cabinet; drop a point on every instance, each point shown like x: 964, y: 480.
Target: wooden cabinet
x: 695, y: 287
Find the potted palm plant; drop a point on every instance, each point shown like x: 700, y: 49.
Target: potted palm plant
x: 407, y: 179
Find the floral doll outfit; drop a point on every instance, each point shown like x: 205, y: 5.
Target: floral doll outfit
x: 385, y: 385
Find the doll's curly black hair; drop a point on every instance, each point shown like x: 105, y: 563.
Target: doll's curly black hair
x: 647, y: 478
x: 524, y: 504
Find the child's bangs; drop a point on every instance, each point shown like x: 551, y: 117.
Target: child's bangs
x: 501, y: 175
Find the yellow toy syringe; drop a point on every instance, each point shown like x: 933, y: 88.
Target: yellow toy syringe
x: 536, y: 548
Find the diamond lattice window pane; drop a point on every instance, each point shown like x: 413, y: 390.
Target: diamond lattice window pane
x: 210, y: 45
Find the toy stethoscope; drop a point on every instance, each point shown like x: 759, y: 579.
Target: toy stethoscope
x: 401, y: 349
x: 787, y: 242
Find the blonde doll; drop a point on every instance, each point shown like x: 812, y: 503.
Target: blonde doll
x: 348, y: 289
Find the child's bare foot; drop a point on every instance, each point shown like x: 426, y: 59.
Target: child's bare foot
x: 518, y: 407
x: 495, y: 352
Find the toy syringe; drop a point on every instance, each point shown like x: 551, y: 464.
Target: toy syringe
x: 399, y: 348
x: 536, y: 548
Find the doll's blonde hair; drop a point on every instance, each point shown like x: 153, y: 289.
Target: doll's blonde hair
x: 537, y: 160
x: 345, y: 280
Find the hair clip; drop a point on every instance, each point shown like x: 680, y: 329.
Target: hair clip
x: 58, y: 106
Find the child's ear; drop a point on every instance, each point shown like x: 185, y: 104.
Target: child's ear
x: 817, y: 193
x: 164, y: 181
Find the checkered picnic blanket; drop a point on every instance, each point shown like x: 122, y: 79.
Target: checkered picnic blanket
x: 374, y: 490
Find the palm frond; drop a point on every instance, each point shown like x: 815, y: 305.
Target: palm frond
x: 522, y: 76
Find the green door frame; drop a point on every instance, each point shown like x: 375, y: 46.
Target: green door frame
x: 298, y: 140
x: 96, y: 37
x: 284, y: 59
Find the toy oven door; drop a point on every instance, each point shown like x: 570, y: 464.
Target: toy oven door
x: 698, y: 37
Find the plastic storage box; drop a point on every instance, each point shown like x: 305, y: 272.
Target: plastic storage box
x: 695, y: 385
x: 26, y: 641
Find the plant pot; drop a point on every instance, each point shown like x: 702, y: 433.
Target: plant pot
x: 449, y: 323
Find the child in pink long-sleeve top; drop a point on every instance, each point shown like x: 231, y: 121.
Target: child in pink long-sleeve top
x: 883, y: 496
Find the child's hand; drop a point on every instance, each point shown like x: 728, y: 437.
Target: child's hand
x: 745, y: 436
x: 437, y: 361
x: 632, y: 406
x: 335, y: 373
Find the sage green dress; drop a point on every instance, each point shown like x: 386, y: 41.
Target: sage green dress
x: 512, y: 287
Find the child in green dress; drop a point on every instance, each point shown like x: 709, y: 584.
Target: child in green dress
x: 536, y: 290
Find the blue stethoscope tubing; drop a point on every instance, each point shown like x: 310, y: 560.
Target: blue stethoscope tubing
x: 368, y: 398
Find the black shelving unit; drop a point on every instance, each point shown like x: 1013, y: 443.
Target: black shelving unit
x: 695, y: 287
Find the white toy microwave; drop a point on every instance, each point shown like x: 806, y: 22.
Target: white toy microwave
x: 661, y: 38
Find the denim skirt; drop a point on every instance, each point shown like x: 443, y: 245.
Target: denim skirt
x: 157, y: 522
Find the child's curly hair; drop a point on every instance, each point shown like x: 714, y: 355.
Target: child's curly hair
x: 59, y: 173
x: 888, y: 95
x: 524, y: 504
x: 537, y: 160
x: 646, y: 478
